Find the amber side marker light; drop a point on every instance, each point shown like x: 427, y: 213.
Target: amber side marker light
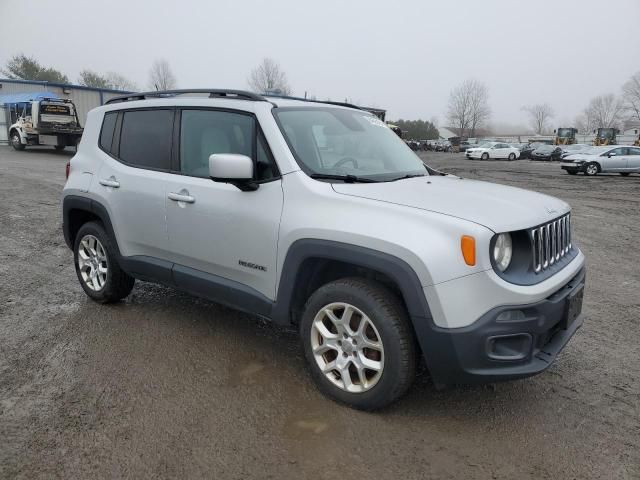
x: 468, y: 247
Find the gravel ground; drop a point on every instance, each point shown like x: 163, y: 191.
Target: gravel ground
x: 166, y: 385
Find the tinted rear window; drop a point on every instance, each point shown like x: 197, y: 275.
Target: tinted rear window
x: 108, y: 127
x: 145, y: 139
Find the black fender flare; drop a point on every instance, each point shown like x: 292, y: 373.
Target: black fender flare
x: 76, y: 202
x: 395, y: 268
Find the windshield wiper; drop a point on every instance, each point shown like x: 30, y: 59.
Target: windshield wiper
x: 411, y: 175
x: 344, y: 178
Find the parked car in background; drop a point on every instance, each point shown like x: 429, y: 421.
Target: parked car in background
x: 547, y: 153
x: 464, y: 146
x: 575, y: 148
x: 528, y: 148
x: 492, y: 150
x: 605, y: 159
x: 443, y: 146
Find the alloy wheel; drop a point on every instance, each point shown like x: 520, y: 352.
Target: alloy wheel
x: 92, y: 262
x: 347, y: 347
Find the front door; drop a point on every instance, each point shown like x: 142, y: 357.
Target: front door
x: 615, y: 160
x: 220, y: 229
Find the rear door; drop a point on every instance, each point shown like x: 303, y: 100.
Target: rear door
x: 222, y: 230
x: 136, y: 149
x: 633, y: 159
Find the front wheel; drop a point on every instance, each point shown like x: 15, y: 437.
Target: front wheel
x: 15, y: 141
x: 512, y: 157
x: 591, y: 169
x: 485, y: 156
x: 625, y: 174
x: 358, y: 342
x: 59, y: 147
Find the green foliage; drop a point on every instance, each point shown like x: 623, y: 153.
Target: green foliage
x: 21, y: 67
x: 417, y: 129
x: 89, y: 78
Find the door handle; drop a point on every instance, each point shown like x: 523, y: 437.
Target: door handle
x: 109, y: 182
x: 181, y: 197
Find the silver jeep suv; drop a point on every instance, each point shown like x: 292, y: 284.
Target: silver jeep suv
x: 316, y: 215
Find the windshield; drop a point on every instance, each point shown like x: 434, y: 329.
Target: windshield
x: 336, y: 141
x: 565, y: 132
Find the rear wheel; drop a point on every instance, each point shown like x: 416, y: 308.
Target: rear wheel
x: 485, y: 156
x: 15, y: 141
x: 59, y: 147
x: 97, y: 267
x: 358, y: 342
x: 571, y: 172
x: 625, y: 174
x: 591, y: 169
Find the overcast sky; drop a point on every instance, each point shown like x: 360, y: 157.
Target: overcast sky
x: 404, y: 56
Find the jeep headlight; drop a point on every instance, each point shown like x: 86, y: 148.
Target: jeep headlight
x: 503, y: 251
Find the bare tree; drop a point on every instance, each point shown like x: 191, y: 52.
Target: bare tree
x: 468, y: 107
x: 119, y: 82
x: 268, y: 76
x: 161, y: 77
x: 604, y: 111
x: 583, y: 124
x: 631, y: 96
x: 539, y: 116
x: 480, y: 111
x: 111, y: 80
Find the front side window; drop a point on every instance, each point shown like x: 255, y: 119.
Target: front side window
x: 145, y: 138
x: 336, y: 141
x: 205, y: 132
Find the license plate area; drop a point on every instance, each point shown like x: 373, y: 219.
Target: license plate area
x: 48, y: 140
x: 573, y: 307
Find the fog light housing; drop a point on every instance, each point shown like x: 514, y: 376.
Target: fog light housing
x: 509, y: 347
x: 511, y: 316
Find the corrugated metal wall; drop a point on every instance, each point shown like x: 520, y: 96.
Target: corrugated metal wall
x: 4, y: 127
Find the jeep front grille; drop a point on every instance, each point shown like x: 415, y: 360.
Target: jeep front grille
x: 551, y: 242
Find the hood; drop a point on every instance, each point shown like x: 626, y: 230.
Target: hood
x: 497, y: 207
x: 577, y: 157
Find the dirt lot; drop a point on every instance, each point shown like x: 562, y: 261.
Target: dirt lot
x: 165, y: 385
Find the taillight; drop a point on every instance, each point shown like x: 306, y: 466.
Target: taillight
x: 68, y: 169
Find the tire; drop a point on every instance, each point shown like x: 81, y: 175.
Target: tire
x: 15, y: 141
x: 485, y: 156
x: 59, y: 147
x: 512, y: 157
x: 571, y: 172
x: 591, y: 169
x: 94, y: 250
x: 379, y: 314
x: 625, y: 174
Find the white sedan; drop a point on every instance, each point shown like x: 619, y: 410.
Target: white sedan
x: 493, y: 150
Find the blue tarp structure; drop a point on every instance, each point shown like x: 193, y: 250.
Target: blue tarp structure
x: 18, y: 98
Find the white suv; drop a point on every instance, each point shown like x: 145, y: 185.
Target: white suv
x: 317, y: 215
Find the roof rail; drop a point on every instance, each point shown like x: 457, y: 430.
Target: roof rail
x: 213, y: 93
x: 287, y: 97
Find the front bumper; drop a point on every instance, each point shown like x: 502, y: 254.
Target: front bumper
x: 495, y: 348
x: 572, y: 167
